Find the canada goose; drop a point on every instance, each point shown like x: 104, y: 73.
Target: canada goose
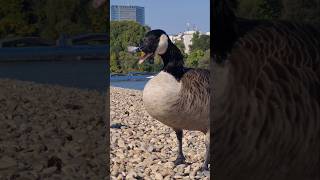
x: 266, y: 97
x: 177, y: 96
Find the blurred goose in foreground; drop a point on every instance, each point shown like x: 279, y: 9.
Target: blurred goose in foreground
x: 266, y: 97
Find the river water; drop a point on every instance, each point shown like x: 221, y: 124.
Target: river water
x: 79, y: 74
x: 131, y: 81
x: 90, y: 74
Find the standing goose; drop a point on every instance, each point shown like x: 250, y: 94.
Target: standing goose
x: 266, y: 98
x: 178, y: 96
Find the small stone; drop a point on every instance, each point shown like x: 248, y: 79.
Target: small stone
x: 177, y: 177
x: 131, y: 174
x: 150, y: 148
x: 121, y: 143
x: 120, y: 177
x: 165, y: 171
x: 154, y: 168
x: 187, y: 169
x: 158, y: 176
x: 194, y: 172
x: 168, y: 164
x: 180, y: 168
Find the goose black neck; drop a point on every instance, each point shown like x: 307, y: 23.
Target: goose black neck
x: 173, y: 61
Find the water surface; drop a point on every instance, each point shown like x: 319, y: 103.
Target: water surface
x: 89, y: 74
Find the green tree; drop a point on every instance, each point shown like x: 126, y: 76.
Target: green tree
x: 122, y: 35
x: 114, y: 64
x: 259, y: 9
x: 50, y: 18
x: 16, y: 18
x: 204, y: 61
x: 128, y: 61
x: 194, y: 57
x: 249, y: 8
x: 73, y: 17
x: 158, y: 64
x: 270, y: 9
x: 292, y: 10
x: 180, y: 45
x: 301, y: 11
x: 126, y: 33
x: 200, y: 42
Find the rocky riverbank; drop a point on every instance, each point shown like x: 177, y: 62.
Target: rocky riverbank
x: 51, y: 132
x: 143, y: 148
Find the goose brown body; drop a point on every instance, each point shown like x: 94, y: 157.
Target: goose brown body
x: 180, y: 104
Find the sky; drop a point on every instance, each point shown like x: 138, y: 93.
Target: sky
x: 172, y: 16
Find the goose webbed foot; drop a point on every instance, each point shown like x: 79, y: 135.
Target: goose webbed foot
x: 180, y: 160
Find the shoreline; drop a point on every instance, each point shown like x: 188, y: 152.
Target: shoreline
x: 142, y: 147
x: 122, y: 88
x: 51, y: 131
x: 51, y: 122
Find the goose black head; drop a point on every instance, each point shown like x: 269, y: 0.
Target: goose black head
x: 154, y: 42
x: 157, y: 42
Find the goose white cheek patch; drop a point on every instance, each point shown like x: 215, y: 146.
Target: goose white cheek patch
x: 163, y: 44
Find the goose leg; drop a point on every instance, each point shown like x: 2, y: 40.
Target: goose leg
x: 180, y: 159
x: 207, y: 156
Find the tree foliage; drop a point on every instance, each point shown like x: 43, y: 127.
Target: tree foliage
x: 122, y: 35
x: 293, y: 10
x: 199, y: 55
x: 204, y: 61
x: 200, y: 42
x: 194, y: 58
x: 50, y: 18
x: 301, y: 11
x: 180, y: 45
x: 126, y: 33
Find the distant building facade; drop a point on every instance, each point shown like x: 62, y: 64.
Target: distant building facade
x: 186, y: 37
x: 134, y: 13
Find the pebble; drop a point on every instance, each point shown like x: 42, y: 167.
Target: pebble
x: 149, y: 146
x: 158, y: 176
x: 52, y: 131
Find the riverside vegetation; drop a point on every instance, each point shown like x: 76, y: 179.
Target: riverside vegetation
x: 51, y: 18
x: 130, y: 33
x: 126, y: 33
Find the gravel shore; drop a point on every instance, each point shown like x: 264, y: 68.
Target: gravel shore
x: 143, y: 148
x: 51, y: 132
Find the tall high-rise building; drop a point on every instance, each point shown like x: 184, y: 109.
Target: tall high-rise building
x: 135, y: 13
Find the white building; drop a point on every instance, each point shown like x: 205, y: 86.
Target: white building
x: 186, y: 37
